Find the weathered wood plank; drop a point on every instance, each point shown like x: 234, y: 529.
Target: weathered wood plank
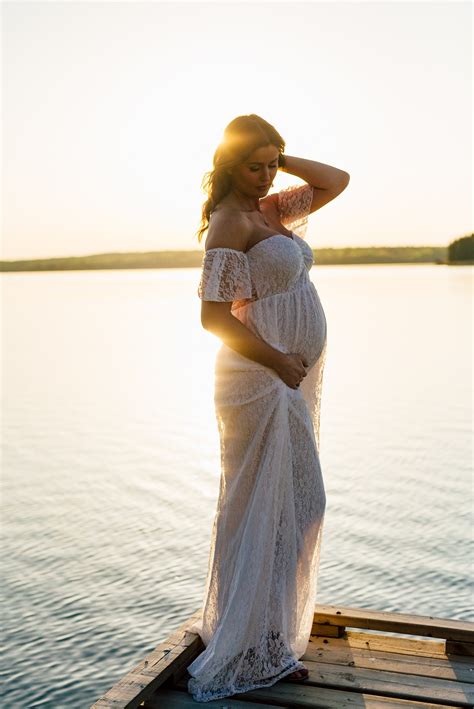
x: 356, y: 669
x: 342, y: 653
x: 455, y: 647
x: 327, y: 631
x: 174, y: 699
x: 316, y: 696
x: 392, y: 684
x: 165, y: 661
x: 387, y: 643
x: 429, y: 626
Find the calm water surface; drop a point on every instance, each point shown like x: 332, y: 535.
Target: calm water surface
x: 110, y: 461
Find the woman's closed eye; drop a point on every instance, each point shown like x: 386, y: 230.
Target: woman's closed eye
x: 254, y: 169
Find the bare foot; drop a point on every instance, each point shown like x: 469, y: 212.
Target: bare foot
x: 299, y: 674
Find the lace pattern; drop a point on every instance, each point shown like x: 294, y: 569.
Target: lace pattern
x: 260, y: 590
x: 294, y: 203
x: 225, y: 275
x: 259, y: 666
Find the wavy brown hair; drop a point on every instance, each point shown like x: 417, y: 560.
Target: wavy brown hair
x: 241, y: 137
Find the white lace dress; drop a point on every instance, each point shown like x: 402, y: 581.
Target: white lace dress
x: 263, y: 564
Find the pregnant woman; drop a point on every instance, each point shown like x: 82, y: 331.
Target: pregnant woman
x: 258, y: 298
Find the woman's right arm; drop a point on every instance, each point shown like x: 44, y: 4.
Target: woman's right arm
x: 218, y: 319
x: 216, y: 315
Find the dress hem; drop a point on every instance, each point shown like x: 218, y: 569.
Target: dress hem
x: 269, y: 682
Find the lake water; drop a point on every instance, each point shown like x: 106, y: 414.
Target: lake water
x: 110, y: 462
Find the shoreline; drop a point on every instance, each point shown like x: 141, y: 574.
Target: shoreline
x: 193, y: 259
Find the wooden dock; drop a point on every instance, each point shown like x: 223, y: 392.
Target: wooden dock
x: 353, y: 661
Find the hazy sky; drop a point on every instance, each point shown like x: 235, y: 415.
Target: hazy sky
x: 112, y: 112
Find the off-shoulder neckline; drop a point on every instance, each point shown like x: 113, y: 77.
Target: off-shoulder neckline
x: 272, y: 236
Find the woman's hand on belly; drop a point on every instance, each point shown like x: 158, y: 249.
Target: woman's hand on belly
x: 291, y: 369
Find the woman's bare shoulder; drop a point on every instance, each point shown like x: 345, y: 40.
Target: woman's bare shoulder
x: 229, y: 228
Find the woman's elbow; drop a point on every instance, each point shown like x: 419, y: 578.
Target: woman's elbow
x: 217, y: 326
x: 206, y: 322
x: 215, y: 315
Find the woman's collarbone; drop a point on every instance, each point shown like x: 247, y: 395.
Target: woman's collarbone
x: 261, y: 231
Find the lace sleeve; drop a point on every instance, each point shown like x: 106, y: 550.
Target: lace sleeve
x: 294, y: 203
x: 225, y: 275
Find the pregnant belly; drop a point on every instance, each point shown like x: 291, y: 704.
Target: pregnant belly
x: 292, y: 322
x: 304, y: 331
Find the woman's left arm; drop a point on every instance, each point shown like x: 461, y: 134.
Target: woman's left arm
x: 328, y: 181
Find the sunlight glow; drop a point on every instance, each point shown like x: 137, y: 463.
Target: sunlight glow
x: 112, y: 113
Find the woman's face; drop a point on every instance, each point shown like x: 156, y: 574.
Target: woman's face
x: 255, y: 175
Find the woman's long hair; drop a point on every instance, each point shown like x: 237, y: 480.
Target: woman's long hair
x: 241, y: 137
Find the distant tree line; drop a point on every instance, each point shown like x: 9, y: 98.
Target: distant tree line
x: 461, y: 249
